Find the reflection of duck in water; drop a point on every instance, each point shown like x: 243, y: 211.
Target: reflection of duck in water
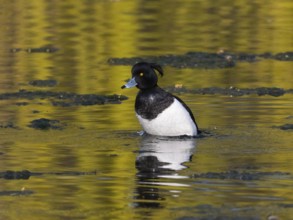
x: 159, y: 112
x: 157, y: 161
x: 161, y: 155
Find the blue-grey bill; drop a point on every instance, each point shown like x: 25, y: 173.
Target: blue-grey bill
x: 129, y: 84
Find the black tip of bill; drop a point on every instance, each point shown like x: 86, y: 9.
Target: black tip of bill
x: 131, y: 83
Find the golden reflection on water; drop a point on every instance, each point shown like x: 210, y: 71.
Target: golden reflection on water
x: 87, y: 34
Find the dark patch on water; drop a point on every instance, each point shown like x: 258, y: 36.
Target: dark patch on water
x: 43, y: 83
x: 16, y: 193
x: 206, y: 60
x: 286, y: 205
x: 89, y: 99
x: 26, y: 174
x: 286, y: 127
x: 238, y: 175
x: 21, y: 103
x: 232, y: 91
x: 45, y: 124
x: 188, y: 60
x: 287, y: 56
x: 65, y: 99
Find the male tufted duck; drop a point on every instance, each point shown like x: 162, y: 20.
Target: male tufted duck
x: 159, y: 112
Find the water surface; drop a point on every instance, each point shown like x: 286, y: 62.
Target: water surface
x: 97, y: 166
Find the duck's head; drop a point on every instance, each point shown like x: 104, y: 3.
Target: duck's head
x: 144, y: 75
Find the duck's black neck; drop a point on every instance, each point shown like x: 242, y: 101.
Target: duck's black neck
x: 154, y: 88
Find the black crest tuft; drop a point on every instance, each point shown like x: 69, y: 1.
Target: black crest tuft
x: 158, y: 68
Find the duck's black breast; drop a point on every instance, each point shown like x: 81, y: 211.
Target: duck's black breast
x: 151, y: 102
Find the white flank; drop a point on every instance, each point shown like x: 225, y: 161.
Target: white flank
x: 173, y: 121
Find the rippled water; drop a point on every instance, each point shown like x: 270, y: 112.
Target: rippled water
x: 97, y: 166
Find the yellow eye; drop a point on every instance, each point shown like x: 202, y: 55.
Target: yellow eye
x: 141, y: 74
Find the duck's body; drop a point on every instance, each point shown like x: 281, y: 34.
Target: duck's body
x: 159, y: 112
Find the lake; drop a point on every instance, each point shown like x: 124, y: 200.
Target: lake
x: 69, y: 139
